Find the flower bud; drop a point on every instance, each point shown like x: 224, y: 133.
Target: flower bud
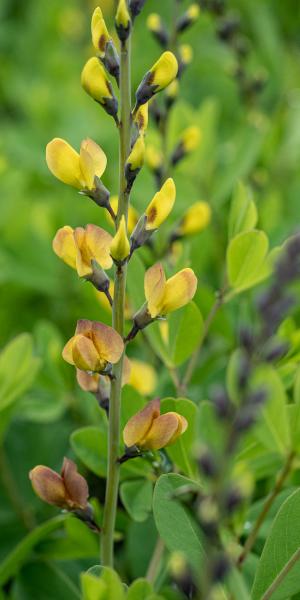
x: 94, y: 347
x: 79, y: 247
x: 171, y: 93
x: 149, y: 430
x: 188, y: 18
x: 104, y: 45
x: 135, y: 7
x: 141, y: 118
x: 120, y: 247
x: 78, y: 170
x: 135, y: 161
x: 133, y: 216
x: 123, y: 22
x: 95, y: 82
x: 157, y: 78
x: 155, y: 214
x: 188, y: 142
x: 69, y: 490
x: 155, y: 25
x: 185, y: 57
x: 196, y: 218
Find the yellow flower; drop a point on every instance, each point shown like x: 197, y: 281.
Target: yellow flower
x: 149, y: 430
x: 122, y: 15
x: 95, y: 82
x: 164, y: 296
x: 142, y: 377
x: 185, y: 54
x: 154, y: 158
x: 120, y: 247
x: 133, y: 216
x: 189, y: 17
x: 77, y: 170
x: 190, y: 138
x: 154, y: 22
x: 196, y: 218
x: 93, y: 347
x: 141, y: 118
x: 69, y: 490
x: 161, y: 205
x: 90, y: 382
x: 80, y: 246
x: 157, y: 78
x: 100, y: 34
x: 136, y: 157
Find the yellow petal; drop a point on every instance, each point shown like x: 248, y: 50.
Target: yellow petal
x: 141, y: 117
x: 161, y: 205
x: 138, y: 426
x: 64, y: 246
x: 108, y: 342
x: 186, y: 54
x: 164, y: 70
x: 120, y: 246
x: 63, y: 162
x: 48, y: 485
x: 190, y: 138
x: 97, y: 155
x: 182, y: 426
x: 100, y: 35
x: 94, y: 80
x: 88, y: 382
x: 136, y: 157
x: 142, y: 377
x: 98, y: 242
x: 83, y: 256
x: 122, y: 14
x: 154, y: 22
x: 193, y: 11
x: 154, y: 158
x: 161, y: 432
x: 179, y: 290
x: 85, y: 355
x: 76, y: 486
x: 154, y: 284
x: 196, y: 218
x: 172, y: 89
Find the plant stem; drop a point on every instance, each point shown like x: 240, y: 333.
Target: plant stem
x: 280, y: 577
x: 112, y: 484
x: 261, y: 517
x: 155, y: 561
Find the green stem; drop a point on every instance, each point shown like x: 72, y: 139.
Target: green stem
x: 280, y: 577
x: 265, y: 510
x: 112, y: 484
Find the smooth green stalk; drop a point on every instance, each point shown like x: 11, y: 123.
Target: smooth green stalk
x: 112, y: 484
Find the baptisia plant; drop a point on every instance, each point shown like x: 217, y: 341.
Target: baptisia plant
x: 97, y: 350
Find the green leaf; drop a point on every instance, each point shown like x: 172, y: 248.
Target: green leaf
x: 93, y: 588
x: 90, y: 445
x: 185, y: 332
x: 13, y: 562
x: 247, y: 263
x: 280, y: 546
x: 137, y: 498
x: 32, y: 583
x: 139, y: 590
x: 176, y: 526
x: 273, y: 429
x: 243, y: 211
x: 237, y: 585
x: 181, y: 452
x: 18, y: 369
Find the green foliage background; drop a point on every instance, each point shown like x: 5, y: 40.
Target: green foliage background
x: 43, y: 48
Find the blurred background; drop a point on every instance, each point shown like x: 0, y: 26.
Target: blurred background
x: 250, y: 131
